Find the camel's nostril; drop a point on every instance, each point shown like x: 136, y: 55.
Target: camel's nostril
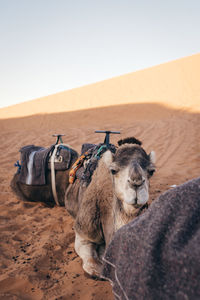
x: 136, y: 183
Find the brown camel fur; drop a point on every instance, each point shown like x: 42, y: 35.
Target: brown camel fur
x: 118, y: 190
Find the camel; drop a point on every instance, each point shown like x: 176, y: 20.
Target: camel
x: 44, y: 193
x: 118, y: 191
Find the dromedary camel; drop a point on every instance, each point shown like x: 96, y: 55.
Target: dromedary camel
x: 44, y: 193
x: 118, y: 189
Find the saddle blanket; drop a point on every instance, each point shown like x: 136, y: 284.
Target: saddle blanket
x: 94, y: 153
x: 35, y: 163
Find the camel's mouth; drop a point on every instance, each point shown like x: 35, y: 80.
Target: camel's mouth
x: 137, y: 200
x: 137, y: 205
x: 134, y: 203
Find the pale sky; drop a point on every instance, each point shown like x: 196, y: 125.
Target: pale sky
x: 48, y: 46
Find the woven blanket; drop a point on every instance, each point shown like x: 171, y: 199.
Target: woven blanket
x: 86, y: 146
x: 157, y: 255
x: 95, y: 152
x: 34, y: 164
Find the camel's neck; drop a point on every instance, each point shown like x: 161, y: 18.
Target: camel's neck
x: 123, y: 214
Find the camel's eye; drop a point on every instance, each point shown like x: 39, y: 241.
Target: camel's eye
x: 151, y: 172
x: 113, y: 171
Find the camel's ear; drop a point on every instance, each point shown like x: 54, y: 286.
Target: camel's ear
x: 108, y: 158
x: 152, y: 157
x: 151, y: 168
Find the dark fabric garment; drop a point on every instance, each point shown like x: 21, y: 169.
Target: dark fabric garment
x: 157, y: 255
x: 39, y: 167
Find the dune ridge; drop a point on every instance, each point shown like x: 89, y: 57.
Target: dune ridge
x: 170, y: 83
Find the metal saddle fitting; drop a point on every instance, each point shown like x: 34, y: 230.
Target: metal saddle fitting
x: 107, y: 137
x: 57, y: 158
x: 59, y: 138
x: 59, y: 141
x: 59, y: 147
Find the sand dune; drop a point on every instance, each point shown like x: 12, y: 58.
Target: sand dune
x: 170, y: 83
x: 37, y: 258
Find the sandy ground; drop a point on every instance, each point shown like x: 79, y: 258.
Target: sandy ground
x: 37, y: 258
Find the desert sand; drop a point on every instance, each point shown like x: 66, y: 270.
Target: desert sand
x: 160, y: 106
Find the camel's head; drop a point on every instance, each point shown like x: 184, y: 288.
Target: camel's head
x: 131, y: 167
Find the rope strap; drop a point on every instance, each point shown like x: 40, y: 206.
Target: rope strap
x: 53, y: 179
x: 78, y: 163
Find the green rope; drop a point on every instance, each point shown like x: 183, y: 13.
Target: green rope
x: 99, y: 151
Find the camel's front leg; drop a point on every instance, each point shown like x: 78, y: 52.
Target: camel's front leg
x: 87, y: 252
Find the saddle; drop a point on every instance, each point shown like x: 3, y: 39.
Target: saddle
x: 86, y: 164
x: 36, y: 161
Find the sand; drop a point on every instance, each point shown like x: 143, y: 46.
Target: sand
x: 37, y: 257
